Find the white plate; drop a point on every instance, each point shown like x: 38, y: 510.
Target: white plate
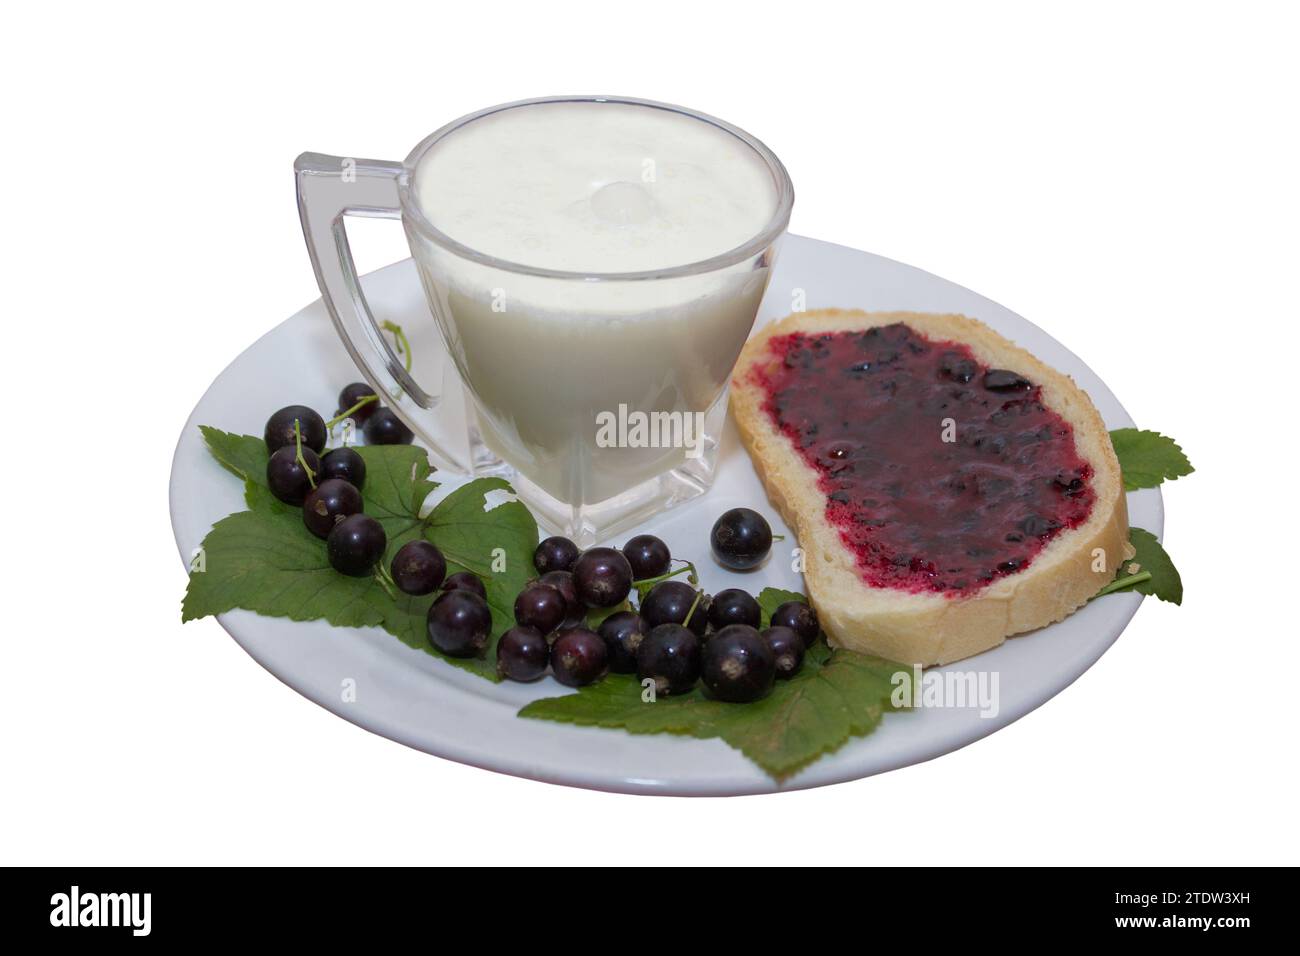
x: 422, y: 702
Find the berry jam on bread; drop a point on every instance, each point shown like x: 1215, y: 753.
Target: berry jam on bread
x: 948, y: 488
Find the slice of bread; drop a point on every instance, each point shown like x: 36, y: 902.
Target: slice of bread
x: 930, y: 627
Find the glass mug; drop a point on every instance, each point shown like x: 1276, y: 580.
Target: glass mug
x: 601, y: 396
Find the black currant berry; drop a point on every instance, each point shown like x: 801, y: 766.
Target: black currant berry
x: 1000, y: 380
x: 738, y: 665
x: 578, y: 656
x: 602, y: 576
x: 734, y: 606
x: 286, y: 477
x: 670, y: 601
x: 1037, y: 525
x: 356, y: 545
x: 957, y: 367
x: 788, y: 647
x: 574, y: 610
x: 465, y: 581
x: 459, y: 623
x: 279, y: 428
x: 622, y: 633
x: 555, y: 554
x: 345, y: 463
x: 741, y: 539
x: 385, y: 428
x: 648, y: 556
x: 522, y: 654
x: 1070, y: 482
x: 541, y: 606
x: 329, y: 503
x: 418, y: 568
x: 800, y: 618
x: 352, y: 394
x: 670, y: 656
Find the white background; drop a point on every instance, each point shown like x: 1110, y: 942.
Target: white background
x: 1124, y: 175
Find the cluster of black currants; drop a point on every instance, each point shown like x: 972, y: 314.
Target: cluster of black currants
x: 678, y: 635
x: 327, y: 485
x: 459, y: 620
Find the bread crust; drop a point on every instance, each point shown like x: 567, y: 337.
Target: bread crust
x: 931, y: 628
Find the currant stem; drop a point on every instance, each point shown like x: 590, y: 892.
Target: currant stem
x: 297, y: 441
x: 399, y: 338
x: 1120, y: 584
x: 351, y: 411
x: 385, y: 580
x: 644, y: 585
x: 694, y: 605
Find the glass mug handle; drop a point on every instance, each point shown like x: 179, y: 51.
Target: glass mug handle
x: 329, y: 189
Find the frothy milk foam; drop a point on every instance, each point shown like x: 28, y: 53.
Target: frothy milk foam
x: 594, y: 188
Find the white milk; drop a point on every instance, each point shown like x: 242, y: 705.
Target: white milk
x: 591, y: 188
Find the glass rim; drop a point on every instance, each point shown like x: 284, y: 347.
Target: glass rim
x: 776, y: 225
